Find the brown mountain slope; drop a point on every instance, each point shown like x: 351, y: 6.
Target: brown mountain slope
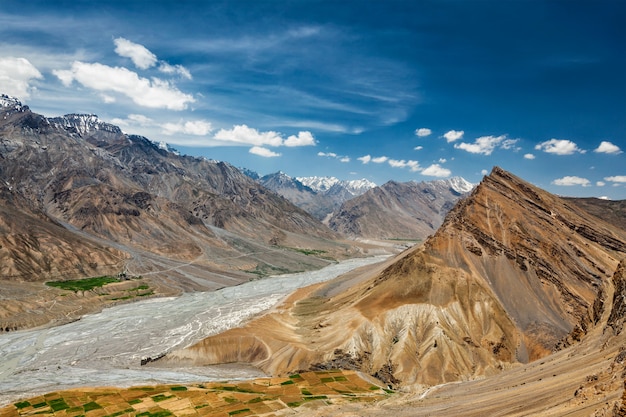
x: 81, y: 198
x: 611, y: 211
x: 396, y: 210
x: 513, y: 274
x: 90, y: 176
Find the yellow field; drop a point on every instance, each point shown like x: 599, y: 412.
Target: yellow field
x: 260, y: 397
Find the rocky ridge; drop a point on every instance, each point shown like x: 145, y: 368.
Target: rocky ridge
x: 513, y: 275
x: 122, y: 202
x: 396, y: 210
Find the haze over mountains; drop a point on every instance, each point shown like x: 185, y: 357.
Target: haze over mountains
x: 509, y: 274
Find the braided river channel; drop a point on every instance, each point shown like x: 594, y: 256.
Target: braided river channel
x: 106, y: 349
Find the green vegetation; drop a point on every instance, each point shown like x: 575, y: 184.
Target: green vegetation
x: 287, y: 382
x: 243, y: 410
x: 163, y: 413
x: 58, y: 404
x: 230, y: 400
x: 39, y: 405
x: 22, y: 404
x: 84, y: 284
x: 179, y: 388
x: 161, y: 397
x: 135, y: 401
x: 309, y: 252
x: 235, y: 389
x: 91, y: 406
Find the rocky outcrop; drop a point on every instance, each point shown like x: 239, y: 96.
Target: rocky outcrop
x: 513, y: 274
x: 395, y: 210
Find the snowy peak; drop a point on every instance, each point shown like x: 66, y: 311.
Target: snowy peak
x: 460, y: 185
x: 358, y: 187
x: 318, y: 184
x: 325, y: 184
x: 8, y: 102
x: 83, y: 124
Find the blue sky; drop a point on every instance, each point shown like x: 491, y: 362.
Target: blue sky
x: 383, y: 90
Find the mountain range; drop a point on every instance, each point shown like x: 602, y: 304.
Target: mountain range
x: 514, y: 289
x: 81, y: 198
x: 360, y: 209
x: 513, y: 275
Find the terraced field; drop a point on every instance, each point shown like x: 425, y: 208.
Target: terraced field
x: 259, y: 397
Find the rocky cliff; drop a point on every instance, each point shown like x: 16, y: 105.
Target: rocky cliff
x: 512, y: 275
x: 409, y: 210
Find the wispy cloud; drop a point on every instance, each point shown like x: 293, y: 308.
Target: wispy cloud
x: 413, y: 166
x: 571, y: 181
x: 529, y: 156
x: 559, y: 147
x: 343, y: 159
x: 195, y: 127
x: 608, y: 147
x: 485, y: 145
x: 264, y: 152
x: 154, y: 93
x: 616, y: 179
x: 139, y: 54
x: 143, y: 58
x: 16, y: 76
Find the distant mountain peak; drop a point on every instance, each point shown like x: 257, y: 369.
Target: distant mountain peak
x: 9, y: 102
x: 324, y: 184
x: 83, y: 124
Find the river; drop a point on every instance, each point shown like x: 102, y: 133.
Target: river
x: 105, y: 349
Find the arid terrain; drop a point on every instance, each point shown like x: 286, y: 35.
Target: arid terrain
x: 514, y: 305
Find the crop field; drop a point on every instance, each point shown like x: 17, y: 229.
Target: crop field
x: 264, y: 397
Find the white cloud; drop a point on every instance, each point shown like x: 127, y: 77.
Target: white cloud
x: 303, y: 139
x: 264, y: 152
x: 484, y: 172
x: 600, y: 183
x: 453, y: 135
x: 166, y: 68
x: 436, y: 170
x: 572, y: 180
x: 139, y: 54
x: 133, y: 120
x: 16, y: 75
x: 196, y: 127
x: 155, y: 93
x: 485, y: 145
x: 365, y: 159
x: 379, y: 159
x: 423, y: 132
x: 414, y: 166
x: 418, y: 148
x: 608, y: 147
x: 529, y: 156
x: 334, y: 155
x: 559, y: 147
x: 247, y: 135
x: 442, y: 160
x: 616, y: 178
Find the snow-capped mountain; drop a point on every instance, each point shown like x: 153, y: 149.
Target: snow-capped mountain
x: 318, y: 184
x: 460, y: 185
x: 324, y: 184
x: 7, y: 102
x: 83, y: 124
